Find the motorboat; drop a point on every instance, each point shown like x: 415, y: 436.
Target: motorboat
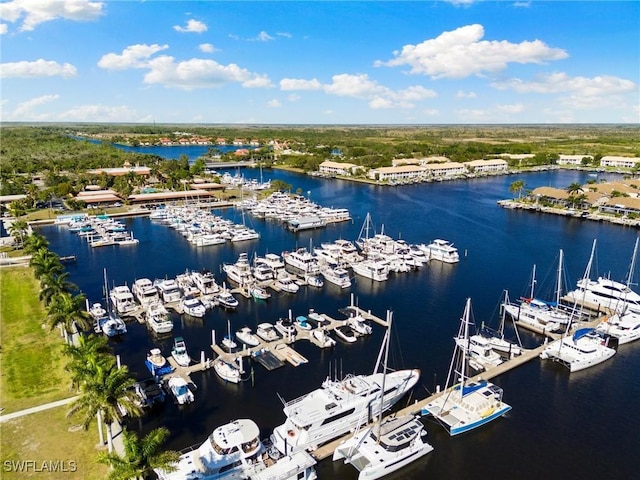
x: 338, y: 276
x: 303, y: 260
x: 285, y: 283
x: 346, y: 333
x: 314, y: 280
x: 441, y: 250
x: 149, y: 392
x: 339, y: 406
x: 169, y: 290
x: 228, y: 371
x: 157, y: 364
x: 465, y: 404
x: 145, y: 292
x: 158, y: 319
x: 323, y: 337
x: 205, y: 282
x: 247, y: 337
x: 179, y: 387
x: 97, y: 311
x: 239, y: 272
x: 226, y: 299
x: 286, y: 327
x: 122, y: 300
x: 179, y: 352
x: 583, y: 349
x: 387, y: 445
x: 274, y: 261
x: 258, y: 292
x: 267, y: 332
x: 373, y: 269
x: 624, y: 326
x: 317, y: 318
x: 262, y: 272
x: 301, y: 322
x: 193, y: 306
x: 235, y: 451
x: 245, y: 234
x: 480, y: 351
x: 112, y: 325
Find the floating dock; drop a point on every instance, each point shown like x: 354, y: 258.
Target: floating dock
x: 267, y: 359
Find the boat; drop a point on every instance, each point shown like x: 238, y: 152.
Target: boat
x: 144, y: 291
x: 226, y: 299
x: 441, y: 250
x: 346, y: 333
x: 317, y: 318
x: 169, y: 290
x: 302, y: 260
x: 267, y: 332
x: 258, y: 292
x: 388, y: 445
x: 339, y: 406
x: 301, y: 322
x: 245, y: 234
x: 374, y: 269
x: 338, y: 276
x: 305, y: 223
x: 537, y: 313
x: 285, y: 283
x: 497, y: 339
x: 227, y: 340
x: 583, y: 349
x: 464, y: 404
x: 286, y: 327
x: 112, y: 325
x: 205, y: 282
x: 158, y: 319
x: 239, y: 272
x: 356, y: 321
x: 274, y: 261
x: 314, y: 280
x: 149, y: 392
x: 179, y: 352
x: 228, y: 371
x: 179, y: 387
x: 247, y: 337
x: 323, y: 337
x: 623, y: 326
x: 157, y: 364
x: 605, y: 293
x: 97, y: 311
x: 262, y: 272
x: 122, y: 300
x: 234, y: 450
x: 193, y: 306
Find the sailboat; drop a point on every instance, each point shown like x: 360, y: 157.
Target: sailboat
x: 389, y: 444
x: 108, y: 321
x: 585, y: 347
x: 465, y: 404
x: 227, y: 370
x: 624, y: 324
x: 496, y: 338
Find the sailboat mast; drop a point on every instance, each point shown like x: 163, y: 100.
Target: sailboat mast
x: 559, y: 280
x: 633, y: 264
x: 384, y: 373
x: 533, y: 282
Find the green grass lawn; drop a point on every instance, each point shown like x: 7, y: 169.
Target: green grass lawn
x: 31, y: 362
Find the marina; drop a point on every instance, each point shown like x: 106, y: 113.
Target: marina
x: 426, y: 303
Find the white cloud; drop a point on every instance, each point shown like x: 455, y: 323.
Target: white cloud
x: 261, y: 37
x: 207, y: 48
x: 134, y: 56
x: 264, y: 37
x: 459, y: 3
x: 200, y: 73
x: 3, y: 28
x: 462, y: 94
x: 513, y: 108
x: 284, y: 34
x: 193, y: 26
x: 294, y: 97
x: 522, y: 4
x: 361, y: 87
x: 560, y: 82
x: 25, y: 110
x: 38, y: 68
x: 35, y: 12
x: 274, y: 103
x: 461, y: 53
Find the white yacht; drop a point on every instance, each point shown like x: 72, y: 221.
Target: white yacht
x: 285, y: 283
x: 262, y: 271
x: 179, y: 387
x: 624, y: 326
x: 234, y: 451
x: 179, y: 352
x: 302, y: 260
x: 267, y: 332
x: 245, y: 234
x: 122, y: 300
x: 112, y: 325
x: 239, y: 272
x: 247, y: 337
x: 144, y: 291
x: 465, y: 405
x: 584, y: 349
x: 274, y: 261
x: 205, y: 282
x: 169, y: 290
x: 480, y: 351
x: 338, y: 407
x: 375, y: 270
x: 193, y: 306
x: 226, y: 299
x: 441, y: 250
x: 229, y: 372
x: 157, y: 318
x: 97, y: 311
x: 337, y: 276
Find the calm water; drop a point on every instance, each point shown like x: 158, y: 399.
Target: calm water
x: 563, y: 426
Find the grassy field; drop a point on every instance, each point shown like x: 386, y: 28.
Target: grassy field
x: 32, y: 373
x: 46, y: 439
x: 31, y: 359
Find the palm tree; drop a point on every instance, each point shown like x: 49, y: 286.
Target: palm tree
x: 574, y: 188
x: 35, y: 242
x: 105, y: 391
x: 141, y: 456
x: 68, y: 311
x: 18, y: 230
x: 45, y: 262
x: 517, y: 187
x: 52, y: 284
x: 85, y: 354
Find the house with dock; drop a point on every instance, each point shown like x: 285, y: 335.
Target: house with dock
x: 337, y: 168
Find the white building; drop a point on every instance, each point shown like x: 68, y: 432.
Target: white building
x: 336, y: 168
x: 447, y: 169
x: 402, y: 172
x: 573, y: 159
x: 620, y: 162
x: 487, y: 166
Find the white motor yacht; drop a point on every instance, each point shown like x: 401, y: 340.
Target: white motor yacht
x: 285, y: 283
x: 122, y: 300
x: 338, y: 276
x: 193, y: 306
x: 169, y: 290
x: 441, y: 250
x: 239, y: 272
x: 179, y: 352
x: 247, y: 337
x: 179, y: 387
x: 624, y: 326
x: 302, y: 260
x: 584, y: 349
x: 267, y: 332
x: 373, y: 269
x: 144, y: 291
x: 158, y: 319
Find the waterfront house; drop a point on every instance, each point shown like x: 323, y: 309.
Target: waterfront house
x: 495, y: 165
x: 400, y: 173
x: 565, y: 159
x: 336, y: 168
x: 621, y: 206
x: 446, y: 169
x: 619, y: 162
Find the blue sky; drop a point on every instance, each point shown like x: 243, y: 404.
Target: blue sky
x: 286, y: 62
